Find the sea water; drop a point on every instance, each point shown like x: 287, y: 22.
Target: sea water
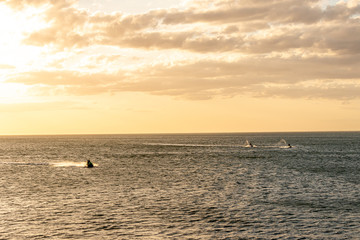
x: 190, y: 186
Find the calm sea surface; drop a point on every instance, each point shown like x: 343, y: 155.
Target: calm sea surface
x: 200, y: 186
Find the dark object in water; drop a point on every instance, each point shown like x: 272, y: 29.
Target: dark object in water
x: 89, y: 164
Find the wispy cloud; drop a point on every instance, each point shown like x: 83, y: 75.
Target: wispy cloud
x: 209, y: 78
x: 40, y: 106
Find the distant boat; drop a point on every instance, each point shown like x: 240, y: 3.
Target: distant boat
x: 89, y: 164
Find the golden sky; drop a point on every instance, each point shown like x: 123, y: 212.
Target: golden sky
x: 91, y: 66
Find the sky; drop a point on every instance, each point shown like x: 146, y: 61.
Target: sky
x: 192, y: 66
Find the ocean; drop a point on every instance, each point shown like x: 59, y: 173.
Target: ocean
x: 181, y: 186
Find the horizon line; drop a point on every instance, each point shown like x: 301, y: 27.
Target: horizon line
x: 174, y: 133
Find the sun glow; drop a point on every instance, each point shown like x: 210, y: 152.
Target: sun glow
x: 12, y: 92
x: 14, y: 28
x: 15, y: 56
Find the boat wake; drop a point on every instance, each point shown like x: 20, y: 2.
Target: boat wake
x: 24, y: 163
x: 249, y: 144
x: 69, y: 164
x: 282, y: 144
x: 189, y: 145
x: 54, y: 164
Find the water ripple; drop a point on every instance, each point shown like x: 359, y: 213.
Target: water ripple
x: 180, y: 187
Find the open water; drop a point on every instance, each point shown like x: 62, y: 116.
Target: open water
x: 199, y: 186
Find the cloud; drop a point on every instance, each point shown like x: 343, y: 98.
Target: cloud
x: 245, y: 11
x: 287, y: 24
x: 330, y: 90
x: 21, y: 4
x: 6, y: 66
x: 262, y: 48
x: 207, y: 79
x: 68, y: 27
